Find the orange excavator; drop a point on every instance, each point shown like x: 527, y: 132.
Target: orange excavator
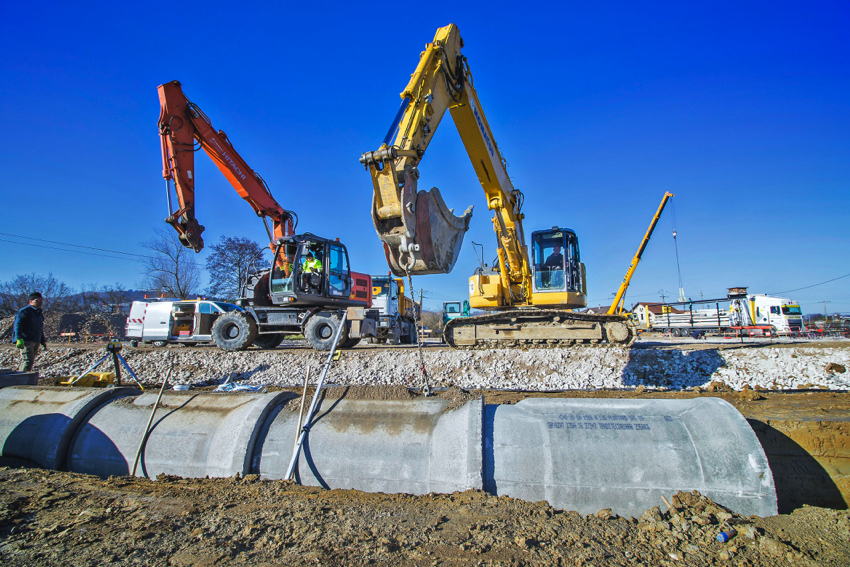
x: 309, y: 283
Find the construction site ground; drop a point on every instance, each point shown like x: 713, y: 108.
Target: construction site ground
x: 793, y: 394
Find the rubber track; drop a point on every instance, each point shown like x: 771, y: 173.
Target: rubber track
x: 532, y: 315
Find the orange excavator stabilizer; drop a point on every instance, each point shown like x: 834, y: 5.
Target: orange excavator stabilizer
x: 181, y: 124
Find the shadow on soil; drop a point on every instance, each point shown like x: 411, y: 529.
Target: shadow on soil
x: 663, y: 367
x: 798, y: 477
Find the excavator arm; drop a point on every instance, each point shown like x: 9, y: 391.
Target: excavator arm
x: 181, y: 124
x: 420, y: 234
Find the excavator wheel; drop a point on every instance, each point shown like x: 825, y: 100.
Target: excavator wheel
x: 320, y: 331
x: 268, y: 341
x: 234, y: 331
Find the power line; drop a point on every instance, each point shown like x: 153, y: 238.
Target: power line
x: 69, y: 244
x: 74, y: 251
x: 808, y: 286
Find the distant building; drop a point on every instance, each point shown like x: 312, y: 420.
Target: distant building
x: 601, y: 310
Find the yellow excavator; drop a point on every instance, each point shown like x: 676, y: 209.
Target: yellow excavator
x: 532, y: 294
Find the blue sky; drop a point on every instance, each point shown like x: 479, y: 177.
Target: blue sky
x: 740, y: 110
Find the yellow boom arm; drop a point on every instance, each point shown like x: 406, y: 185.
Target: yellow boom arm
x: 616, y: 307
x: 420, y: 234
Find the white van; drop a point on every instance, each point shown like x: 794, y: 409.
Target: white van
x: 162, y: 322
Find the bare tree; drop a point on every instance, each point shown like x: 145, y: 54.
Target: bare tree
x: 434, y: 321
x: 114, y: 296
x: 231, y: 261
x: 57, y: 295
x: 171, y: 267
x: 89, y: 298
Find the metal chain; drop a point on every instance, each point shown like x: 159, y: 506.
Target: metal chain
x: 426, y: 389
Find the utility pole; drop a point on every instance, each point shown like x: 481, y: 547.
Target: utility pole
x: 661, y: 291
x: 825, y: 319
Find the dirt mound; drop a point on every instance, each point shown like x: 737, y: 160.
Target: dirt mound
x: 55, y: 518
x: 111, y: 324
x: 84, y: 324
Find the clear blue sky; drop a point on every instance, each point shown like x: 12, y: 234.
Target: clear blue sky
x: 742, y: 111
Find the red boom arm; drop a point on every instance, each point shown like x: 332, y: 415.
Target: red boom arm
x: 181, y: 123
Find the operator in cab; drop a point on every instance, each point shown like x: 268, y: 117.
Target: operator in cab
x: 311, y: 265
x: 555, y: 261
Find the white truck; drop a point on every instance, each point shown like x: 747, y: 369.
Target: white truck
x: 396, y: 324
x: 762, y: 312
x: 185, y: 322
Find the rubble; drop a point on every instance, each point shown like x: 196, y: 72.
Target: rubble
x: 586, y: 368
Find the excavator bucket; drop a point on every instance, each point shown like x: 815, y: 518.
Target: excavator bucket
x: 436, y: 242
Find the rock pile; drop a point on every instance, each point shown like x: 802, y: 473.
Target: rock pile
x: 535, y: 369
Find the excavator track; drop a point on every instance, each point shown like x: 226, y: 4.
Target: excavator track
x: 538, y: 328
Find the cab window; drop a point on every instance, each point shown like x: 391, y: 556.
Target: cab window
x: 338, y: 279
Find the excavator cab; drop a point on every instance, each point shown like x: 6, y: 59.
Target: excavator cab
x: 310, y: 270
x: 555, y: 260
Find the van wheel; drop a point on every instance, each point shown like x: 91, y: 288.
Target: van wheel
x: 320, y: 331
x: 159, y: 344
x: 268, y: 341
x: 134, y: 343
x: 234, y: 331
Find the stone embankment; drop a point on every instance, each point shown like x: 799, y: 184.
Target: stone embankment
x: 766, y: 366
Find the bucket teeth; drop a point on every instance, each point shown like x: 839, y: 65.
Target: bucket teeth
x: 436, y: 238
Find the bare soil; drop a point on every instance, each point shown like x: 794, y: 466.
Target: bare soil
x: 54, y: 518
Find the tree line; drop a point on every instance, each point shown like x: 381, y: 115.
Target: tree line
x: 170, y: 269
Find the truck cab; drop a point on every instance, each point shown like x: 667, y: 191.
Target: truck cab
x: 395, y: 319
x: 454, y: 309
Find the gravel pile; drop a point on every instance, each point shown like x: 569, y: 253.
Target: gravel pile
x: 770, y: 367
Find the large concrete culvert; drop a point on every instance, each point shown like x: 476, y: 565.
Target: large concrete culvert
x: 410, y: 446
x: 578, y: 454
x: 193, y: 435
x: 37, y: 423
x: 590, y: 454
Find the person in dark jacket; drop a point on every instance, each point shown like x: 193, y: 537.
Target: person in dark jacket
x: 29, y: 331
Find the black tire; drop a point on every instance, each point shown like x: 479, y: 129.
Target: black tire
x: 268, y: 341
x: 134, y: 343
x: 320, y: 331
x: 234, y: 331
x: 159, y: 344
x: 189, y: 344
x: 350, y: 343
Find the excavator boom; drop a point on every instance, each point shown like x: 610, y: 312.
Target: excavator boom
x: 421, y: 234
x: 181, y: 124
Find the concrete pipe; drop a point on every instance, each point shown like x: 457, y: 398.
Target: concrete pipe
x: 590, y: 454
x: 38, y: 423
x: 412, y: 446
x: 193, y: 435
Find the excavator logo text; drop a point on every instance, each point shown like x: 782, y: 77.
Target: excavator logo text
x: 483, y: 130
x: 227, y: 159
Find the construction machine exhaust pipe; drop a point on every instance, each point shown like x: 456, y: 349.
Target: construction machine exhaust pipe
x: 430, y: 238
